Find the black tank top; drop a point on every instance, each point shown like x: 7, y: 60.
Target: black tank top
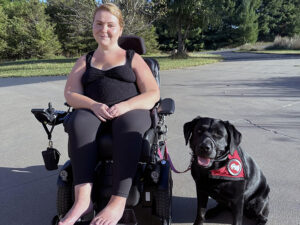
x: 110, y: 86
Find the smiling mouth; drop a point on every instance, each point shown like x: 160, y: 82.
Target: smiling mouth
x: 205, y: 162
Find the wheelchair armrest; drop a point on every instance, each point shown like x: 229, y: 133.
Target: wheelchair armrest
x: 166, y: 107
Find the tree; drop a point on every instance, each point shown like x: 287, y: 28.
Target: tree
x: 150, y: 37
x: 297, y: 23
x: 3, y: 32
x: 222, y: 24
x: 29, y: 33
x: 4, y: 2
x: 182, y: 17
x: 73, y: 19
x: 234, y: 22
x: 278, y: 17
x: 139, y: 15
x: 248, y: 21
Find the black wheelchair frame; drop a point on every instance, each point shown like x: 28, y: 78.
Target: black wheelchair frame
x: 152, y: 185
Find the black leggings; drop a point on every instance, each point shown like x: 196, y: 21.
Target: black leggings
x: 127, y: 132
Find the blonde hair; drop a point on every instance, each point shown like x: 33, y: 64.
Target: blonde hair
x: 113, y: 9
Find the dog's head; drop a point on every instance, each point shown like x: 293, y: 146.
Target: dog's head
x: 211, y: 139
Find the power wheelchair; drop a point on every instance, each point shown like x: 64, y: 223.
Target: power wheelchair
x: 152, y: 185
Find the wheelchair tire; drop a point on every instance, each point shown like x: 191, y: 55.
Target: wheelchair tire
x: 64, y: 199
x: 163, y: 203
x: 55, y: 220
x: 166, y: 222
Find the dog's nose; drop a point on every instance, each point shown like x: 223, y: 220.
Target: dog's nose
x: 206, y: 147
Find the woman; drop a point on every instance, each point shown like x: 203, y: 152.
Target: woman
x: 108, y: 87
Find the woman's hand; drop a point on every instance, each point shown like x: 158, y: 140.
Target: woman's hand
x: 119, y: 109
x: 101, y: 111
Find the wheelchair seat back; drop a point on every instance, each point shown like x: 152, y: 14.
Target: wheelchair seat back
x: 138, y: 45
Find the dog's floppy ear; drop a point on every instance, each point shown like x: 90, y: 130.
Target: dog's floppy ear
x: 234, y: 137
x: 188, y: 128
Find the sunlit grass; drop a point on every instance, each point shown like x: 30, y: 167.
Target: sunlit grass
x: 280, y: 51
x: 63, y: 66
x: 30, y: 68
x: 166, y: 63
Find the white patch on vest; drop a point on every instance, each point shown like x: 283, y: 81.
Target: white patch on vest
x: 234, y: 167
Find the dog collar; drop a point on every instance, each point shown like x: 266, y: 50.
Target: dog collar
x: 233, y: 170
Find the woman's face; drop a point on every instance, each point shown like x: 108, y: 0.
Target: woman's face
x: 106, y: 28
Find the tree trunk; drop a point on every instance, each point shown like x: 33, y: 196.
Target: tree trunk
x: 181, y: 53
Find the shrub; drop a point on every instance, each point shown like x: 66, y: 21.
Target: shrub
x: 292, y: 43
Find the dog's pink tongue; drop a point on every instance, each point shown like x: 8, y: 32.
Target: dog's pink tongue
x: 203, y: 161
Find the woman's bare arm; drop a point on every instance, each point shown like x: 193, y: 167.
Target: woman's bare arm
x: 74, y: 92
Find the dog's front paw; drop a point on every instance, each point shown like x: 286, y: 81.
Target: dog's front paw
x: 213, y: 212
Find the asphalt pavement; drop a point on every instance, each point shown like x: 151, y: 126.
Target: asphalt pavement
x: 257, y: 93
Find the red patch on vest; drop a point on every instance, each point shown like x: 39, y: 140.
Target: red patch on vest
x: 233, y: 170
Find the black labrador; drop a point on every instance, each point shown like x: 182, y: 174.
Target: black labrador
x: 224, y: 172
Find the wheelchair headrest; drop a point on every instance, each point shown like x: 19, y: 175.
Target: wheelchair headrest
x: 132, y: 42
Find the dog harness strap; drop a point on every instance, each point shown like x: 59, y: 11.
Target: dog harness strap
x: 233, y: 170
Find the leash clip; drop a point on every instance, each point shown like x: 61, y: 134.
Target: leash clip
x: 50, y: 144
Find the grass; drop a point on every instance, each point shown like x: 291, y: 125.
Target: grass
x: 280, y: 51
x: 63, y: 66
x: 258, y: 46
x: 30, y: 68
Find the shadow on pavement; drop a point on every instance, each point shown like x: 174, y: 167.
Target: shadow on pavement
x: 27, y: 195
x: 184, y: 211
x: 275, y: 87
x: 286, y: 85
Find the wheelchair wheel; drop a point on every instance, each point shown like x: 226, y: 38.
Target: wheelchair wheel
x: 163, y: 199
x: 55, y: 220
x: 64, y: 199
x: 166, y: 222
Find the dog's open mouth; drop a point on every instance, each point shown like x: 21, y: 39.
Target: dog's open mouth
x: 205, y: 162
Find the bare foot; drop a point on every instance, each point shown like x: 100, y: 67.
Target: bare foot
x: 112, y: 213
x: 76, y: 212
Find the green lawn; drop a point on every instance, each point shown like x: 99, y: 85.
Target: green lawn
x: 30, y: 68
x: 63, y: 66
x: 280, y: 51
x: 272, y: 51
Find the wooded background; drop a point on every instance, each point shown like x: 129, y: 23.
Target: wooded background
x: 43, y: 29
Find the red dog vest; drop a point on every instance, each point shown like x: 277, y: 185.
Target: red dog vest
x: 233, y: 170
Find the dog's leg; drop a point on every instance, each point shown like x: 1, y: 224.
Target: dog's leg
x: 262, y: 211
x: 237, y: 211
x: 202, y: 199
x: 213, y: 212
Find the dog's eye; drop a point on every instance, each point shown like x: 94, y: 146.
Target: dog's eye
x: 199, y: 131
x: 216, y: 135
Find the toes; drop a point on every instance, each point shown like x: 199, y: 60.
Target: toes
x: 96, y: 221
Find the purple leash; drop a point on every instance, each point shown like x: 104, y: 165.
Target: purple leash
x: 171, y: 163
